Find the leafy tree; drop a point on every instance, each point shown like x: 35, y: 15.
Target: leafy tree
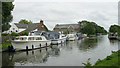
x: 14, y: 34
x: 24, y: 33
x: 91, y: 28
x: 114, y: 29
x: 101, y: 30
x: 7, y: 7
x: 88, y: 29
x: 24, y: 21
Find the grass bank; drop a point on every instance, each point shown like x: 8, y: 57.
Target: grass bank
x: 111, y: 60
x: 5, y: 45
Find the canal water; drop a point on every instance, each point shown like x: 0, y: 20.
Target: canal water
x: 72, y: 53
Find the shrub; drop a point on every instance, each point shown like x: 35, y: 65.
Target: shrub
x: 14, y: 34
x: 108, y: 58
x: 5, y: 34
x: 25, y: 33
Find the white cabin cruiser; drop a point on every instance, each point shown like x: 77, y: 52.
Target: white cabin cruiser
x: 60, y: 40
x: 72, y: 37
x: 30, y: 42
x: 56, y: 38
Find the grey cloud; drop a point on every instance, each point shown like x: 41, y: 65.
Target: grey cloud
x: 67, y: 12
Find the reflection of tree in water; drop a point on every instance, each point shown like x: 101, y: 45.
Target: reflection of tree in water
x: 55, y: 51
x: 113, y: 41
x: 69, y: 45
x: 87, y: 44
x: 7, y: 59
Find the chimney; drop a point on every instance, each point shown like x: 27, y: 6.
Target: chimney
x: 41, y: 21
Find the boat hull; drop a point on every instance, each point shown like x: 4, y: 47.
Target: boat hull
x: 71, y: 39
x: 58, y: 41
x: 112, y: 37
x: 30, y: 44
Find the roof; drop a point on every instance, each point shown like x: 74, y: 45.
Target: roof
x: 28, y: 27
x: 32, y: 27
x: 75, y: 26
x: 19, y: 25
x: 48, y: 35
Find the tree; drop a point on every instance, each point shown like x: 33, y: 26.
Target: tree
x: 101, y: 30
x: 14, y: 34
x: 115, y: 29
x: 90, y: 28
x: 7, y: 7
x: 24, y: 33
x: 24, y: 21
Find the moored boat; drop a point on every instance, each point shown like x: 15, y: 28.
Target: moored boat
x: 113, y: 36
x: 30, y: 42
x: 57, y: 38
x: 72, y: 37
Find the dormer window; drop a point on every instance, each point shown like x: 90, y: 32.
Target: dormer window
x: 16, y: 31
x: 13, y: 28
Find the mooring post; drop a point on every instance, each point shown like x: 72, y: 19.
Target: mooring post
x: 27, y: 48
x: 32, y: 46
x: 46, y: 47
x: 40, y: 46
x: 46, y: 44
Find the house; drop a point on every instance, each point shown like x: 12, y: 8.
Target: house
x: 19, y: 27
x: 67, y: 28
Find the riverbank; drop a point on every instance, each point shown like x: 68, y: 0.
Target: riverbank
x: 4, y: 46
x: 111, y: 60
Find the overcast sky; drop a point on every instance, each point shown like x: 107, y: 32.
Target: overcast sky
x: 103, y: 12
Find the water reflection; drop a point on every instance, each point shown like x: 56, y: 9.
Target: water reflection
x: 87, y: 43
x: 71, y: 53
x: 113, y: 41
x: 55, y: 51
x: 27, y: 57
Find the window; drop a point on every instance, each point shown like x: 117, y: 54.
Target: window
x: 38, y: 38
x: 23, y: 38
x: 13, y: 28
x: 31, y: 38
x: 16, y: 31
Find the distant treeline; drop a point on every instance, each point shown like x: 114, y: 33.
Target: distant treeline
x: 115, y: 29
x: 91, y: 28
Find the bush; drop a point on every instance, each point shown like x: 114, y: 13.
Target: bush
x: 25, y: 33
x: 5, y: 34
x: 108, y: 58
x: 14, y: 34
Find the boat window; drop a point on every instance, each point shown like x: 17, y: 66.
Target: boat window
x: 17, y: 38
x: 38, y: 38
x: 23, y: 38
x: 63, y: 36
x: 31, y: 38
